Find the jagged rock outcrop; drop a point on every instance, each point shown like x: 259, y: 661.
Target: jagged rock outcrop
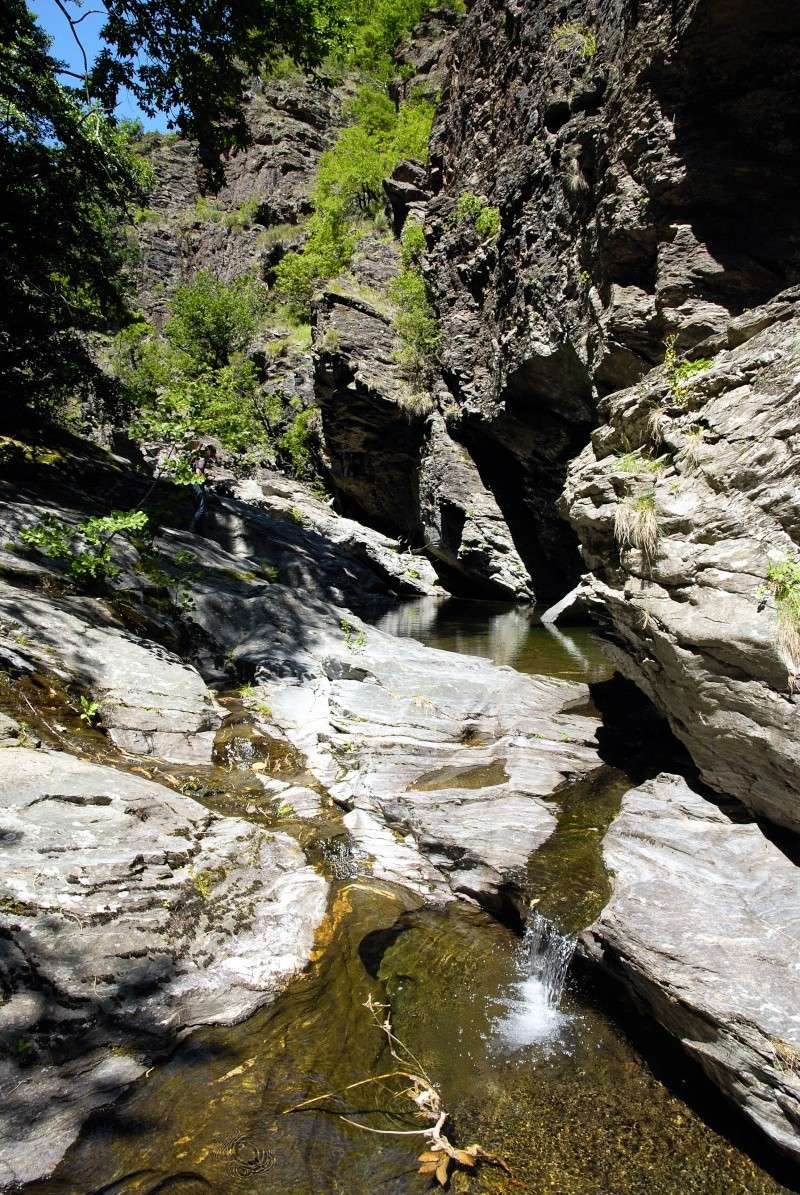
x: 464, y: 529
x: 129, y: 914
x: 388, y: 453
x: 244, y: 225
x: 693, y: 618
x: 628, y: 147
x: 372, y: 422
x: 703, y: 929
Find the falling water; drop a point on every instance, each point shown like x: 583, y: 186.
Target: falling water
x: 532, y: 1011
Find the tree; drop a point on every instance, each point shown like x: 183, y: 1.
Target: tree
x: 192, y: 59
x: 65, y: 175
x: 68, y: 175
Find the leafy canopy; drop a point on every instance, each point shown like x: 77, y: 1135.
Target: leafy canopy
x: 66, y: 175
x: 192, y: 59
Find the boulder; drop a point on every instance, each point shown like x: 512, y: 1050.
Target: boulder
x: 703, y: 930
x: 129, y: 914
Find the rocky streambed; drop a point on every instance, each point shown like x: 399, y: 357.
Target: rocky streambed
x: 269, y: 808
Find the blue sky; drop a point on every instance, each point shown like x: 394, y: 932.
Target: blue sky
x: 65, y: 48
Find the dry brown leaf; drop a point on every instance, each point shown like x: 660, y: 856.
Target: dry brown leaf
x: 430, y: 1156
x: 441, y: 1171
x: 464, y: 1157
x: 428, y: 1168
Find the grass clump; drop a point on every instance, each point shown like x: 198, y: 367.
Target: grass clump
x: 636, y: 524
x: 244, y: 216
x: 680, y: 375
x: 637, y: 462
x: 575, y: 37
x: 783, y: 583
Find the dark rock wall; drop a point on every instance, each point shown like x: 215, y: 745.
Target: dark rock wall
x: 291, y: 122
x: 644, y: 190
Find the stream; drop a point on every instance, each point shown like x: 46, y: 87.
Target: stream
x: 531, y: 1059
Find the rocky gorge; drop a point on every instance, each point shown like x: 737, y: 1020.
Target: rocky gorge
x: 253, y: 780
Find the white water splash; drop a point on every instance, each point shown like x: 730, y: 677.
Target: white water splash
x: 532, y: 1009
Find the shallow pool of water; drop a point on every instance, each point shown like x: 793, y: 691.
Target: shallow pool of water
x: 559, y: 1091
x: 510, y: 635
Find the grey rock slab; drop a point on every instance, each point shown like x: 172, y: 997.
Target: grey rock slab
x: 149, y: 700
x: 695, y: 622
x: 129, y: 914
x: 703, y: 928
x: 462, y: 756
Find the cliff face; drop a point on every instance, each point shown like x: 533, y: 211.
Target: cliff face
x: 245, y: 226
x: 643, y: 158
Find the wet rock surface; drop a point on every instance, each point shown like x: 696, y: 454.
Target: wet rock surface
x: 703, y: 929
x: 457, y: 758
x: 129, y: 914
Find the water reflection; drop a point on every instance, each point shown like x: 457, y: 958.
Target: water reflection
x: 505, y: 634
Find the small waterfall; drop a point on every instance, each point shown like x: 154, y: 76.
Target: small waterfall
x: 533, y: 1007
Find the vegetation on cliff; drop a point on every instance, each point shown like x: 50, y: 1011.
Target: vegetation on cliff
x: 348, y: 192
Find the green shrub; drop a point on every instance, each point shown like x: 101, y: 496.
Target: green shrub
x: 681, y: 374
x: 485, y: 219
x: 377, y: 26
x: 412, y: 244
x: 417, y: 327
x: 211, y: 320
x: 349, y: 190
x: 85, y: 548
x: 575, y: 36
x: 296, y: 444
x: 224, y: 403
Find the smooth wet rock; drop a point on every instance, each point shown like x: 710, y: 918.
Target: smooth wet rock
x: 128, y: 915
x: 459, y: 758
x: 703, y: 929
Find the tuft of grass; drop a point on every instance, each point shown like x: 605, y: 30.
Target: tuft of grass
x: 637, y: 462
x: 575, y: 37
x: 783, y: 582
x: 417, y: 404
x: 681, y: 375
x: 636, y: 524
x: 693, y: 448
x: 655, y: 425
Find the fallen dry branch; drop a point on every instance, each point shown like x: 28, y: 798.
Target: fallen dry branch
x: 441, y: 1156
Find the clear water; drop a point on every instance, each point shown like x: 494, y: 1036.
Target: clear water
x: 509, y: 635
